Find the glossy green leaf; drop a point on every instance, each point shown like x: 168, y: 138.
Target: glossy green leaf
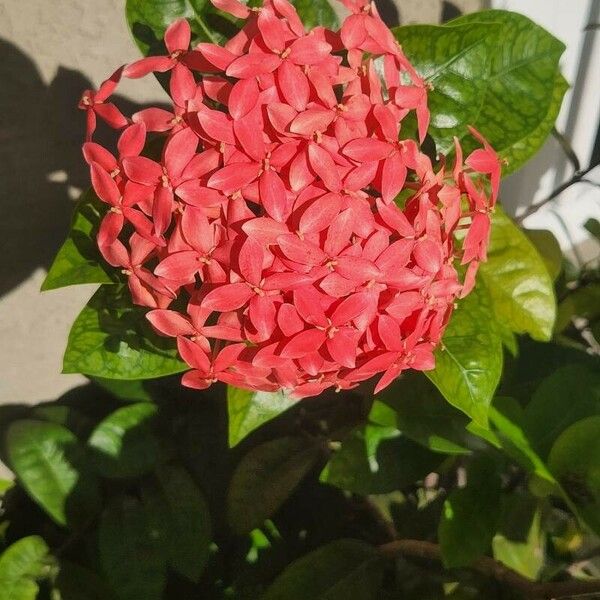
x: 112, y: 339
x: 53, y: 468
x: 470, y: 515
x: 188, y: 522
x: 479, y: 65
x: 569, y: 394
x: 548, y: 248
x: 377, y: 459
x: 148, y: 20
x: 78, y: 260
x: 574, y: 460
x: 469, y: 363
x: 265, y: 477
x: 22, y: 565
x: 456, y: 62
x: 518, y: 281
x: 249, y: 410
x: 524, y: 57
x: 123, y: 444
x: 131, y: 550
x: 422, y: 414
x: 341, y: 570
x: 520, y: 543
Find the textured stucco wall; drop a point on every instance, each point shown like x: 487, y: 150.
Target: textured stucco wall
x: 50, y: 52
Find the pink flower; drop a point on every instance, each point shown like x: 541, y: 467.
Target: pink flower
x: 271, y: 214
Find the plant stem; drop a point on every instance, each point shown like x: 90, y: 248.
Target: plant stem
x: 491, y: 568
x: 578, y: 176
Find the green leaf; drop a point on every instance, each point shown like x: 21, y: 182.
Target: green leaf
x: 593, y: 226
x: 53, y: 468
x: 583, y: 302
x: 520, y: 543
x: 78, y: 260
x: 21, y: 566
x: 574, y: 460
x: 131, y: 550
x: 378, y: 460
x: 456, y: 62
x: 469, y: 363
x: 341, y: 570
x: 75, y: 582
x: 420, y: 412
x: 548, y: 248
x: 525, y: 89
x: 128, y: 391
x: 148, y: 20
x: 265, y: 477
x: 470, y: 515
x: 518, y: 281
x: 124, y: 444
x: 188, y: 519
x: 249, y: 410
x: 112, y: 339
x: 569, y: 394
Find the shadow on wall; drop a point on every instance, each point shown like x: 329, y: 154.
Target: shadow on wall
x: 41, y: 132
x: 391, y: 11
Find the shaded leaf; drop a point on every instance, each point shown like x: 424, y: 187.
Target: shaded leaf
x: 53, y: 468
x: 21, y: 565
x: 378, y: 460
x: 574, y: 460
x: 569, y: 394
x: 518, y: 282
x: 469, y: 363
x: 249, y: 410
x: 548, y: 248
x: 131, y: 551
x: 124, y: 444
x: 75, y: 582
x: 265, y: 477
x: 583, y: 302
x: 126, y: 390
x: 340, y: 570
x: 78, y: 259
x: 470, y: 515
x: 112, y: 339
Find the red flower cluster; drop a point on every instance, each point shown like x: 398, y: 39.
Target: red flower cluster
x: 274, y: 210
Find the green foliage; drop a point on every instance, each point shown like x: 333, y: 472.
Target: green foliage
x: 78, y: 260
x: 469, y: 363
x: 479, y: 65
x: 265, y: 478
x: 341, y: 570
x: 112, y: 339
x: 52, y: 466
x: 123, y: 444
x: 249, y: 410
x: 549, y: 249
x: 21, y: 566
x: 518, y: 281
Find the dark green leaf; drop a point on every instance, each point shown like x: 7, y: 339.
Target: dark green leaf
x: 341, y: 570
x: 470, y: 515
x: 583, y: 302
x: 519, y: 284
x: 112, y: 339
x: 78, y: 260
x: 525, y: 89
x: 126, y: 390
x: 469, y: 363
x: 420, y: 412
x: 249, y: 410
x: 188, y: 520
x: 574, y: 460
x: 378, y: 460
x: 316, y: 12
x: 593, y: 226
x: 75, y: 582
x: 131, y: 550
x: 265, y: 477
x: 571, y: 393
x: 549, y: 249
x: 21, y: 566
x: 124, y: 444
x: 52, y: 466
x: 520, y: 543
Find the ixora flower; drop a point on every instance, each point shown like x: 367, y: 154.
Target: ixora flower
x: 313, y: 242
